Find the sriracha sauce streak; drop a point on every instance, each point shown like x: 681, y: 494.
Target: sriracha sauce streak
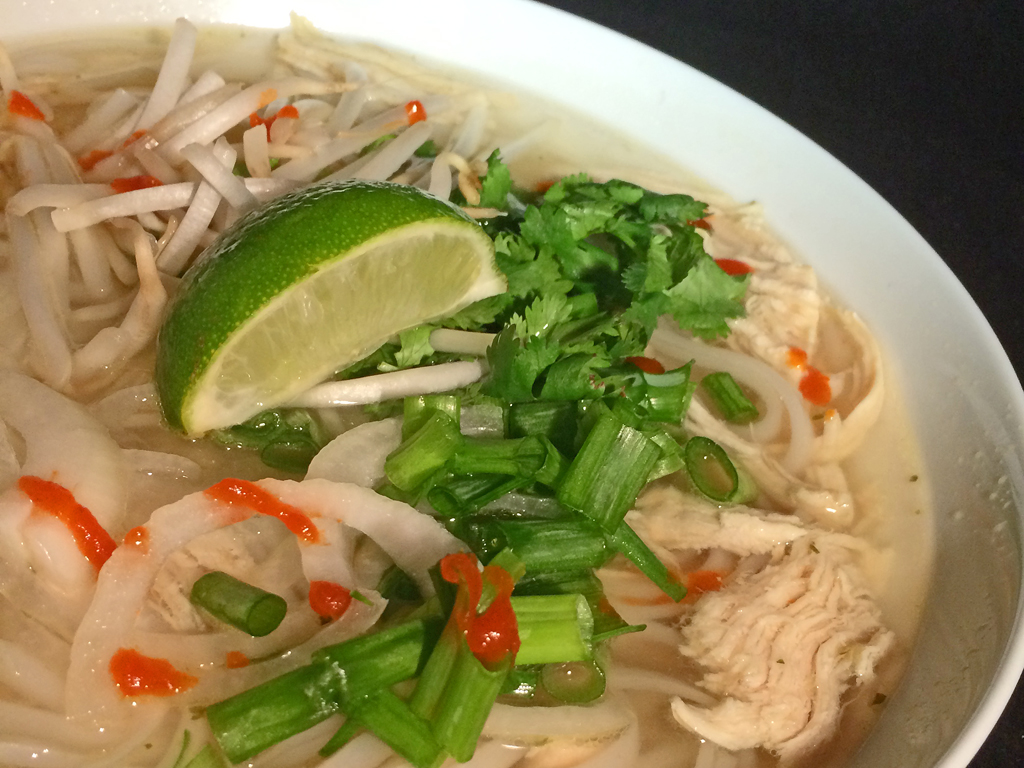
x: 92, y: 540
x: 138, y: 675
x: 251, y: 496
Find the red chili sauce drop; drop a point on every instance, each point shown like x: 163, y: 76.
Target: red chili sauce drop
x: 251, y: 496
x: 88, y: 162
x: 236, y: 660
x: 734, y: 267
x: 138, y: 538
x: 329, y: 599
x: 90, y: 537
x: 415, y: 111
x: 22, y: 105
x: 135, y: 183
x: 138, y: 675
x: 646, y: 364
x: 493, y: 635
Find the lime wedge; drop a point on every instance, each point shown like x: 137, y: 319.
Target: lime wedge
x: 306, y: 285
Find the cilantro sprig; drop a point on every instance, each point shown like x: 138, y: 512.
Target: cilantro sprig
x: 590, y: 268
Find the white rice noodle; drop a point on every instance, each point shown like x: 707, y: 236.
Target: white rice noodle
x: 357, y: 455
x: 54, y: 196
x: 111, y: 349
x: 125, y: 270
x: 621, y: 678
x: 99, y: 122
x: 154, y: 164
x: 394, y: 154
x: 65, y: 443
x: 311, y: 111
x: 300, y: 749
x: 8, y: 75
x: 177, y: 254
x: 208, y: 127
x: 133, y: 203
x: 286, y: 151
x: 623, y: 751
x: 540, y: 725
x: 306, y: 168
x: 205, y: 84
x: 440, y: 184
x: 93, y: 263
x: 283, y: 128
x: 364, y: 751
x: 51, y: 353
x: 268, y: 189
x: 215, y: 166
x: 30, y: 127
x: 470, y: 134
x: 390, y: 386
x: 257, y: 156
x: 173, y: 76
x: 759, y: 376
x: 461, y: 342
x: 104, y: 313
x: 349, y: 106
x: 30, y: 677
x: 115, y: 138
x: 21, y: 721
x: 494, y: 754
x: 188, y: 111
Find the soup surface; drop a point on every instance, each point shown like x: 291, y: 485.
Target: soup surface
x: 123, y: 158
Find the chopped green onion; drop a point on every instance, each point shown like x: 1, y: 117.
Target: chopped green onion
x: 555, y: 466
x: 671, y: 458
x: 553, y: 628
x: 626, y: 541
x: 710, y: 469
x: 521, y: 683
x: 416, y: 411
x: 729, y: 398
x: 609, y: 472
x: 462, y: 709
x: 574, y: 682
x: 462, y: 496
x: 348, y: 731
x: 542, y: 545
x: 668, y: 394
x: 424, y: 453
x: 555, y: 420
x: 379, y: 660
x: 607, y: 623
x: 243, y: 606
x: 246, y: 724
x: 393, y: 722
x: 522, y: 457
x: 207, y: 757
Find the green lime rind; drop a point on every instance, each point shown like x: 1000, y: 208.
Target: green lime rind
x: 265, y: 253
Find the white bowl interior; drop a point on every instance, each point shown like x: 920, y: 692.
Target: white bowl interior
x: 964, y: 399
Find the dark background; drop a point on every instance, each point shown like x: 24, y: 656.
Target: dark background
x: 923, y: 99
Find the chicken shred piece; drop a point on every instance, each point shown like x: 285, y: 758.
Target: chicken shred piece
x: 782, y: 646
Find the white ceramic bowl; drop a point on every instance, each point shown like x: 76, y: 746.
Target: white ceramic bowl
x: 964, y: 398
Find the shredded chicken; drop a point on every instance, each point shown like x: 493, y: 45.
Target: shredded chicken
x: 781, y: 646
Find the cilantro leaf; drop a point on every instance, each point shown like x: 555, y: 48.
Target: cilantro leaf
x: 414, y: 346
x: 496, y: 184
x: 704, y: 299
